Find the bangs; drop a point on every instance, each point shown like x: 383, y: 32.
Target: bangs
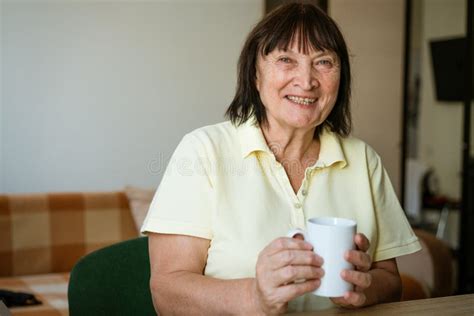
x: 307, y: 26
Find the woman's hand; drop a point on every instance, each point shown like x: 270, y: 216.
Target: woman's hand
x: 279, y: 265
x: 360, y: 277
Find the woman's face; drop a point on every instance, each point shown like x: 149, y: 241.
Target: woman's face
x: 298, y: 90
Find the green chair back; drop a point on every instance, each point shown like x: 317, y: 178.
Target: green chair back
x: 112, y: 281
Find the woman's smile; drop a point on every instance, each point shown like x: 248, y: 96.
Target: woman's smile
x: 298, y: 90
x: 301, y: 100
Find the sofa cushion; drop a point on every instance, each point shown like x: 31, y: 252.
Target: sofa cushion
x: 45, y: 233
x: 50, y: 289
x: 432, y: 267
x: 139, y: 200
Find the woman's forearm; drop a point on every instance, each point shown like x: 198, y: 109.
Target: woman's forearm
x: 187, y: 293
x: 385, y: 287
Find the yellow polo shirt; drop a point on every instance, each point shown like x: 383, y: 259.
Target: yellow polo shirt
x: 224, y: 184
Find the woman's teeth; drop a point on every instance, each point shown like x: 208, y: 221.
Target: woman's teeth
x: 299, y: 100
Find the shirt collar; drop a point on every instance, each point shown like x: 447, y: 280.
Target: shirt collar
x: 331, y: 151
x: 252, y: 140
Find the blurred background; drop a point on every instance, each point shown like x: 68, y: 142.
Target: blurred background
x: 95, y: 95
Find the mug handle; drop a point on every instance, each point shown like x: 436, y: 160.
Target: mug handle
x: 292, y: 233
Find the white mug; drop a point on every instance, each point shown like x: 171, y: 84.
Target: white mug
x: 331, y: 237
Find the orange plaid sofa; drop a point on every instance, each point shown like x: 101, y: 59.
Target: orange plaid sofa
x: 43, y: 235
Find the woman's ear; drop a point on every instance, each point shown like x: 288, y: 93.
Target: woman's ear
x: 257, y: 79
x: 257, y: 74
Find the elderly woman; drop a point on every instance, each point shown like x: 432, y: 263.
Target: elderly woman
x: 232, y: 190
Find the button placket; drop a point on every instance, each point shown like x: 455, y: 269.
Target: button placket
x: 299, y: 206
x: 300, y: 217
x: 296, y: 200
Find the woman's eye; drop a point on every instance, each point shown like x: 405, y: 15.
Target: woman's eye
x: 285, y: 60
x: 324, y: 62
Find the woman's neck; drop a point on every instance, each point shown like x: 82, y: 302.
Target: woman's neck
x: 293, y: 144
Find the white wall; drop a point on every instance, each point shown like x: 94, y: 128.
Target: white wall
x: 373, y: 30
x: 98, y: 94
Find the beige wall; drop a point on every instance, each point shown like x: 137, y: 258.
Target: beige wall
x: 374, y: 31
x: 440, y: 126
x: 97, y: 94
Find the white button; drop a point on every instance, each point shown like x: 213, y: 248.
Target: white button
x: 297, y: 205
x: 304, y: 192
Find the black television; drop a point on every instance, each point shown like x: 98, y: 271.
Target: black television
x: 449, y: 61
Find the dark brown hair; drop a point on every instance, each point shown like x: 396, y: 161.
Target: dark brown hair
x: 313, y: 29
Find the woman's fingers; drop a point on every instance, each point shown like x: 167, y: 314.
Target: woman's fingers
x: 295, y: 257
x: 285, y: 243
x: 282, y: 262
x: 292, y: 261
x: 292, y: 273
x: 361, y: 242
x: 360, y: 259
x: 360, y: 279
x: 355, y: 298
x: 293, y: 290
x: 350, y: 299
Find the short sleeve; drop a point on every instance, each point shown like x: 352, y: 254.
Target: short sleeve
x: 395, y: 236
x: 184, y: 200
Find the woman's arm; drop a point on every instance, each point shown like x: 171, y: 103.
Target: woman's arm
x: 179, y: 287
x: 386, y: 283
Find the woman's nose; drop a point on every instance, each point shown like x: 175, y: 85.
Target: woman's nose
x: 306, y: 78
